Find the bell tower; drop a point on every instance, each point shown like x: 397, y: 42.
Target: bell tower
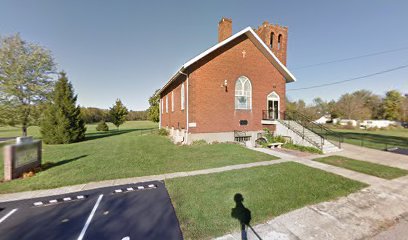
x: 276, y: 38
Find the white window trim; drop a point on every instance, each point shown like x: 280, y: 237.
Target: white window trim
x: 172, y: 101
x: 182, y: 96
x: 273, y: 96
x: 167, y: 103
x: 238, y: 81
x: 162, y: 105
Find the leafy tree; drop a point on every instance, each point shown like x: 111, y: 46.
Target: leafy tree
x: 136, y: 115
x: 118, y: 113
x: 392, y: 105
x: 94, y: 115
x: 62, y: 122
x: 153, y: 111
x: 25, y: 80
x: 405, y: 108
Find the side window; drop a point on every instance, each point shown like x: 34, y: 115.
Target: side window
x: 167, y: 103
x: 182, y: 96
x: 172, y: 101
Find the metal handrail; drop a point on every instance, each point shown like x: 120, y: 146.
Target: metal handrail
x: 309, y: 124
x: 302, y: 134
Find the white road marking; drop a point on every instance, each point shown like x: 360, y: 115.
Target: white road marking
x: 88, y: 221
x: 126, y: 238
x: 8, y: 215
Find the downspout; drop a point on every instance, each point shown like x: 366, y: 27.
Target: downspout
x: 185, y: 74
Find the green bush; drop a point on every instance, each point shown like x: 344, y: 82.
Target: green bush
x: 199, y: 142
x: 102, y: 126
x: 271, y: 138
x: 302, y: 148
x: 163, y: 132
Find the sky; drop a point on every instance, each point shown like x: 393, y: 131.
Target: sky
x: 127, y: 49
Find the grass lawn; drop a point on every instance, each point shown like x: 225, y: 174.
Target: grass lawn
x: 378, y: 139
x: 125, y: 153
x: 374, y: 169
x: 203, y: 203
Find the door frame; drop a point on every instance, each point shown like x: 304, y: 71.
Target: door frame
x: 273, y: 96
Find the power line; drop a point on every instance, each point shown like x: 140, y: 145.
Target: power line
x: 351, y: 79
x: 351, y: 58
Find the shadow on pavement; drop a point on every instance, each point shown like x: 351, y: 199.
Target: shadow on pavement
x: 243, y: 215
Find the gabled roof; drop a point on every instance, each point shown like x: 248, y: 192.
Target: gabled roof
x: 258, y: 43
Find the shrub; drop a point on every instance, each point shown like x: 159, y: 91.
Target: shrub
x: 163, y: 132
x: 302, y: 148
x: 102, y: 126
x: 199, y: 142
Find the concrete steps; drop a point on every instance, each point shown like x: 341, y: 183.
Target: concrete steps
x: 311, y: 137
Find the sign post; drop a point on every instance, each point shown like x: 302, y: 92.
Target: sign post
x: 21, y: 157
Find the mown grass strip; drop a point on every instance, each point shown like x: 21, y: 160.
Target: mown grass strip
x: 369, y: 168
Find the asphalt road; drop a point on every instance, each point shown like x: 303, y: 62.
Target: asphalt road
x: 127, y: 212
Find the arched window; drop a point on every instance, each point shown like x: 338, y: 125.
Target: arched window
x: 271, y: 40
x: 182, y: 96
x: 279, y: 41
x: 243, y: 93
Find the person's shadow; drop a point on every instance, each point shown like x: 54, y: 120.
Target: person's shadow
x: 243, y: 215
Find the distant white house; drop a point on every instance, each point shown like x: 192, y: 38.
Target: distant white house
x: 323, y: 120
x: 377, y: 123
x: 345, y: 122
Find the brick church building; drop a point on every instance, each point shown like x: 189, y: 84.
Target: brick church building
x: 232, y: 91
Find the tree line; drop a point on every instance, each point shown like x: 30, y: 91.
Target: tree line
x: 358, y: 105
x: 95, y: 115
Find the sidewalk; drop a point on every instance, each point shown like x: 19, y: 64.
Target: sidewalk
x: 360, y: 215
x: 361, y: 177
x: 373, y: 155
x: 93, y: 185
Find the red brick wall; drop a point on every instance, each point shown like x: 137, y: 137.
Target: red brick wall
x: 224, y: 29
x: 212, y: 108
x: 264, y: 32
x: 176, y: 119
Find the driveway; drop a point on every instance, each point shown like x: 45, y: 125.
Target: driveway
x: 133, y: 211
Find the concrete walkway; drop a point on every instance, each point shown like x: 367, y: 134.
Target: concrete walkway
x: 361, y: 177
x: 373, y: 155
x: 93, y: 185
x: 361, y: 215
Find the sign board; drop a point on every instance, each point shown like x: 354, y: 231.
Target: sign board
x: 20, y: 158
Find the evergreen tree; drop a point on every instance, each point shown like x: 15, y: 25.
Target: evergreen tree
x: 118, y: 113
x: 62, y: 122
